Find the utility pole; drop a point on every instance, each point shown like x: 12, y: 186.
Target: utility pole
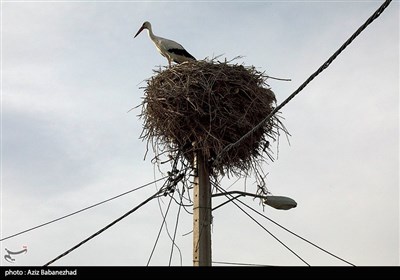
x: 201, y: 213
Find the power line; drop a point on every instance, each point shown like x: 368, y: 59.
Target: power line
x: 83, y: 209
x: 173, y: 240
x: 162, y: 191
x: 228, y: 147
x: 270, y: 233
x: 171, y: 189
x: 181, y: 195
x: 238, y: 263
x: 325, y: 65
x: 104, y: 228
x: 159, y: 232
x: 276, y: 223
x: 298, y: 236
x: 164, y: 216
x: 175, y: 181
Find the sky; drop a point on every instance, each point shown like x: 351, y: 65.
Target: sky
x: 71, y: 71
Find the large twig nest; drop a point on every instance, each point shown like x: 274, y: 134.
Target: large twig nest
x: 205, y: 106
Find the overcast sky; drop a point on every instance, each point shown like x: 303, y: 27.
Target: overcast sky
x: 71, y: 71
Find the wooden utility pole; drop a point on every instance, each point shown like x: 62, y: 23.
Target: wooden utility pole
x: 201, y: 213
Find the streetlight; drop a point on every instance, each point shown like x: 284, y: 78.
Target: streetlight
x: 277, y: 202
x: 280, y: 202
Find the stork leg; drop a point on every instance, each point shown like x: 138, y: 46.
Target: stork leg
x: 169, y: 62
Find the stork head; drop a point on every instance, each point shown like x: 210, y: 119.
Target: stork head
x: 146, y: 25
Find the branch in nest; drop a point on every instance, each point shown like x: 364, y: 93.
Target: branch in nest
x: 212, y: 104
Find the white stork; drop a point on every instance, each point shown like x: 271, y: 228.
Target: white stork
x: 168, y: 48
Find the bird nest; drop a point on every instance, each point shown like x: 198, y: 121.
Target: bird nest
x: 204, y: 106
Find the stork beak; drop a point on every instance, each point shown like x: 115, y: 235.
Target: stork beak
x: 140, y: 30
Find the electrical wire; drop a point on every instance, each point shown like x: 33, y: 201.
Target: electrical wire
x: 276, y: 223
x: 325, y: 65
x: 159, y: 232
x: 181, y: 203
x: 227, y: 148
x: 81, y: 210
x: 258, y: 223
x: 238, y: 263
x: 270, y: 233
x: 173, y: 240
x: 172, y: 189
x: 103, y: 229
x: 298, y: 236
x: 159, y: 200
x: 185, y: 206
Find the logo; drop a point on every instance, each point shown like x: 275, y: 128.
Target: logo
x: 8, y: 257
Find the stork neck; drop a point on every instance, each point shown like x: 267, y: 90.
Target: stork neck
x: 151, y: 34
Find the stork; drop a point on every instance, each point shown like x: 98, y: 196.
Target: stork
x: 167, y: 48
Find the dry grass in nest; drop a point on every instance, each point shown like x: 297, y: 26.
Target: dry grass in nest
x: 206, y: 105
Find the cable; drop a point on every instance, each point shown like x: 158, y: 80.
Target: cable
x: 181, y: 203
x: 216, y: 184
x: 276, y: 238
x: 237, y: 263
x: 325, y: 65
x: 276, y: 223
x: 374, y: 16
x: 104, y: 228
x: 166, y: 226
x: 173, y: 240
x: 159, y: 200
x: 298, y: 236
x: 83, y: 209
x: 270, y: 233
x: 171, y: 189
x: 159, y: 232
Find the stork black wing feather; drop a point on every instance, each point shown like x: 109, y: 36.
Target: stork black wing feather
x: 181, y: 52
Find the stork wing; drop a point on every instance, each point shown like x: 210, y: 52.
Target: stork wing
x: 181, y: 52
x: 174, y: 47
